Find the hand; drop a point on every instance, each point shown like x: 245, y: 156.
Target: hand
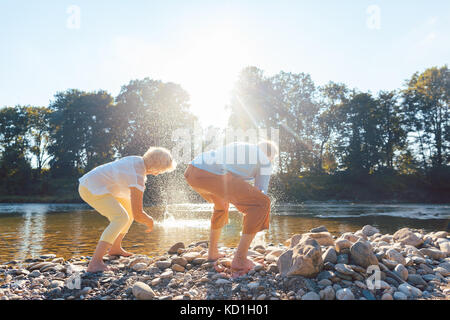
x: 149, y: 224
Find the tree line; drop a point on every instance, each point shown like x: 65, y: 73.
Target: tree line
x: 342, y: 143
x: 335, y: 142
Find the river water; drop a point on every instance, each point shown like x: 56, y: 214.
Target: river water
x: 30, y: 230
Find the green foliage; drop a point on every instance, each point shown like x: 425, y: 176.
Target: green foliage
x: 335, y: 142
x: 426, y: 105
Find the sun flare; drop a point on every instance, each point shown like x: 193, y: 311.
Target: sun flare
x: 208, y: 70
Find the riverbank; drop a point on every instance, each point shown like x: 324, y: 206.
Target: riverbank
x: 412, y: 265
x: 41, y: 199
x: 75, y: 199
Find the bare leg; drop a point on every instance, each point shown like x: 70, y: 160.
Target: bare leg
x: 116, y: 248
x: 96, y: 264
x: 213, y: 251
x: 241, y: 263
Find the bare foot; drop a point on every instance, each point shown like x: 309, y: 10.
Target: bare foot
x: 241, y: 266
x: 95, y: 266
x: 213, y: 256
x: 119, y: 252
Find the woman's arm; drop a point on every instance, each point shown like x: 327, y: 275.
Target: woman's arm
x: 139, y: 215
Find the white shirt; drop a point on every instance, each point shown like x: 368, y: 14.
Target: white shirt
x: 242, y: 159
x: 116, y: 177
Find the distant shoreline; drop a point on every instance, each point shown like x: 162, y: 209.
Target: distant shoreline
x: 71, y: 200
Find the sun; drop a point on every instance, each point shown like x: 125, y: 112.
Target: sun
x: 208, y: 70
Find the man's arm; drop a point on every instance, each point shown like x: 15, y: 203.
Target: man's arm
x: 136, y: 197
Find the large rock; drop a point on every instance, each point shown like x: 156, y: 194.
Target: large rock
x: 142, y: 291
x: 406, y: 236
x: 368, y: 230
x: 396, y: 256
x: 361, y: 253
x: 304, y: 259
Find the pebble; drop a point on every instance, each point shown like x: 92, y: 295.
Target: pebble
x: 409, y: 290
x: 178, y: 268
x: 368, y: 295
x: 142, y: 291
x: 342, y: 258
x: 164, y: 264
x: 184, y: 274
x: 166, y: 274
x: 344, y: 269
x: 416, y: 280
x: 387, y: 296
x: 139, y: 266
x: 311, y: 296
x: 400, y: 296
x: 401, y: 271
x: 345, y: 294
x: 327, y: 293
x: 222, y: 281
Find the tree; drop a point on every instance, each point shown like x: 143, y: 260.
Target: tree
x: 150, y: 111
x: 82, y: 131
x: 360, y: 133
x: 333, y: 96
x: 39, y: 134
x: 15, y: 170
x: 426, y: 105
x: 393, y: 136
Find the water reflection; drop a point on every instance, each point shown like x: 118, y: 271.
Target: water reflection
x: 30, y: 230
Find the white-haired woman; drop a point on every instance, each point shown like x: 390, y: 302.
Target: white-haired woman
x: 116, y: 191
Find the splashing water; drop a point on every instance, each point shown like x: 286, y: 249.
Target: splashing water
x: 169, y: 221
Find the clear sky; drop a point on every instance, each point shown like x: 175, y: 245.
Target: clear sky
x: 46, y: 46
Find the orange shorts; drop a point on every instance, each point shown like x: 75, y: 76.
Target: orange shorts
x: 225, y: 189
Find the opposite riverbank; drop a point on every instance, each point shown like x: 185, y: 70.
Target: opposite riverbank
x: 410, y: 265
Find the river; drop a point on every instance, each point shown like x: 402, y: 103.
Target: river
x: 30, y: 230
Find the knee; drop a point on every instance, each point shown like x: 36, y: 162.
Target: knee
x: 123, y: 220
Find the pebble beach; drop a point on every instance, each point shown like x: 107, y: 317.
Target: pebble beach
x: 363, y: 265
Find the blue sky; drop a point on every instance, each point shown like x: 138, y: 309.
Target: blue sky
x: 202, y: 45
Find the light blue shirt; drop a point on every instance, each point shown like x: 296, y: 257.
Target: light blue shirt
x: 244, y: 160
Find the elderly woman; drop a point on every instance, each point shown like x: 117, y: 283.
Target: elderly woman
x: 116, y: 190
